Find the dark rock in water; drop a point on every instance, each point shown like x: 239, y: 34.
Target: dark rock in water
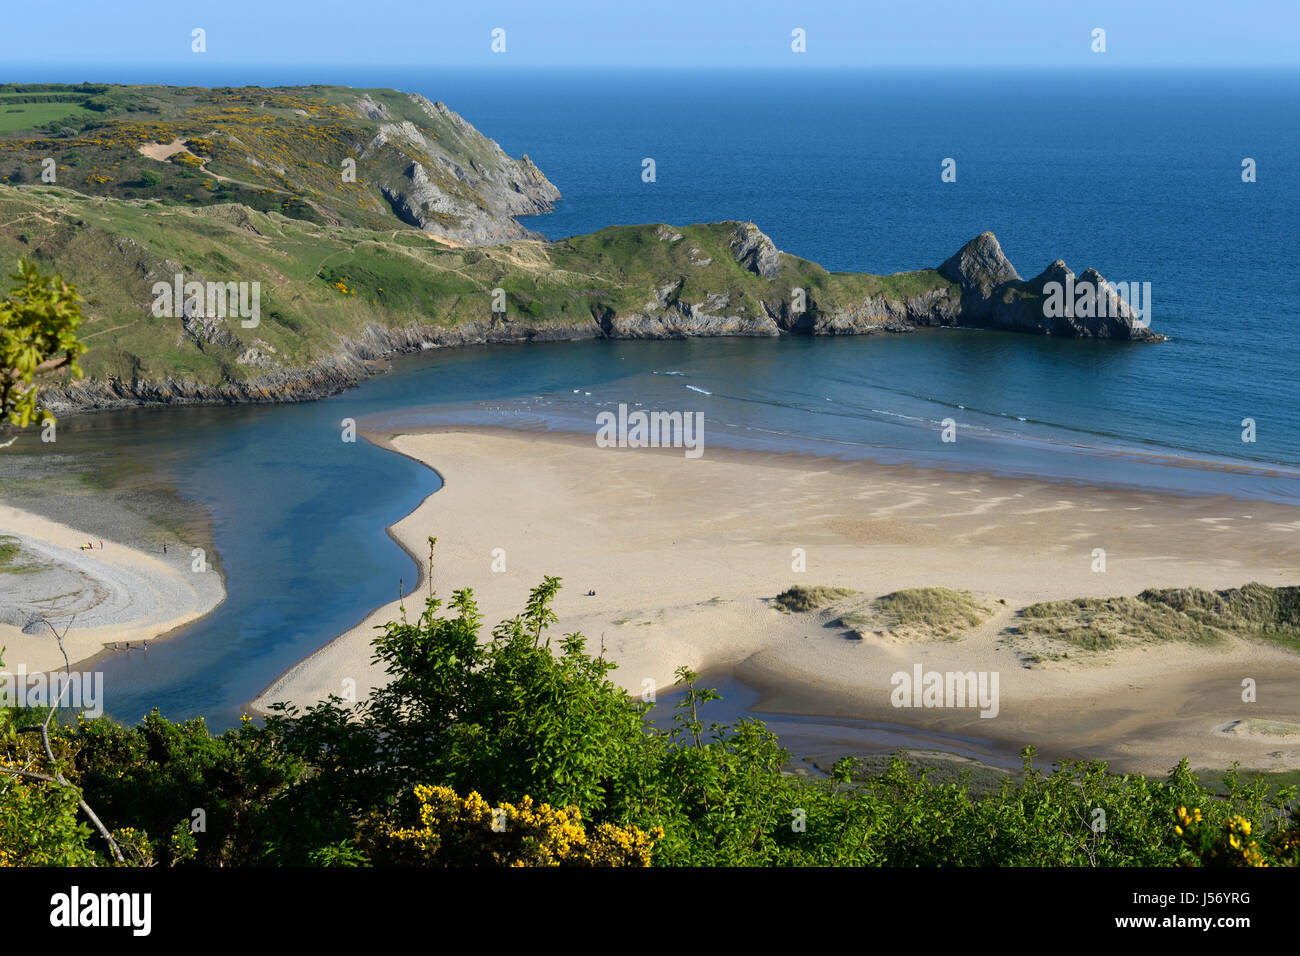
x: 1055, y: 302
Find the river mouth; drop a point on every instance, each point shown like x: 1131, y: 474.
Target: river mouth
x: 295, y: 516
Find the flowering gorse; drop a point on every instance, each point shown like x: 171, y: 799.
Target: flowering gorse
x: 468, y: 831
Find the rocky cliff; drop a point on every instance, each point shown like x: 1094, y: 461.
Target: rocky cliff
x: 462, y: 186
x: 323, y: 154
x: 1056, y: 302
x: 982, y: 290
x: 749, y: 288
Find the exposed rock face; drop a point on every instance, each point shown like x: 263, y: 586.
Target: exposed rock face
x: 979, y: 267
x: 683, y: 320
x: 462, y: 185
x: 994, y: 296
x: 369, y: 108
x: 1109, y: 315
x: 755, y: 251
x: 877, y: 313
x: 669, y: 316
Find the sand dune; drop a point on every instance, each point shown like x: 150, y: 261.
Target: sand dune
x: 684, y: 556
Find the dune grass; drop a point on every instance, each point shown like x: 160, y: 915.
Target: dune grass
x: 798, y: 598
x: 1158, y: 616
x: 12, y: 559
x: 1259, y: 727
x: 919, y: 614
x: 9, y: 548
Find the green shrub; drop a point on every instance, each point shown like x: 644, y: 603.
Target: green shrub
x: 799, y: 598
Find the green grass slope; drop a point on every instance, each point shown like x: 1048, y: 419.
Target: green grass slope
x: 279, y: 148
x: 323, y: 283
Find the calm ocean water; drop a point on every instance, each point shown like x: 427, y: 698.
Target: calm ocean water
x: 1135, y: 174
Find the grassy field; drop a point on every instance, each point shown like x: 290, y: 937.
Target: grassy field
x: 1212, y: 780
x: 278, y: 148
x: 18, y: 116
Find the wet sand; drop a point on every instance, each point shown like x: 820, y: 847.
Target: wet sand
x: 106, y: 596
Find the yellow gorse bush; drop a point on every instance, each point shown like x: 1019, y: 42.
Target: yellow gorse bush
x: 1231, y: 845
x: 468, y: 831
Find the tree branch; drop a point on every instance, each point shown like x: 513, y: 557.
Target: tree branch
x: 49, y: 751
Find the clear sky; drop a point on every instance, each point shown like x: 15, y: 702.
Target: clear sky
x: 645, y: 33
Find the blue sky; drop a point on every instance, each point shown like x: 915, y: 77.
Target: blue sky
x: 78, y: 35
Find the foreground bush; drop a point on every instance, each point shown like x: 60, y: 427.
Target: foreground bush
x: 541, y: 734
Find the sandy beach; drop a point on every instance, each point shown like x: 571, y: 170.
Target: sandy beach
x: 111, y: 594
x: 686, y: 554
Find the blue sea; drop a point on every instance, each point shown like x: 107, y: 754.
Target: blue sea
x: 1137, y: 174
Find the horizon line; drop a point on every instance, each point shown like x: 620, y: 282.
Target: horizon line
x: 682, y: 68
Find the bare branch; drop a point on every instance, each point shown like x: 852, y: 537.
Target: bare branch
x: 27, y: 773
x: 49, y: 751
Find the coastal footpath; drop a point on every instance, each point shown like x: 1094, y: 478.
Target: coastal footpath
x: 311, y: 232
